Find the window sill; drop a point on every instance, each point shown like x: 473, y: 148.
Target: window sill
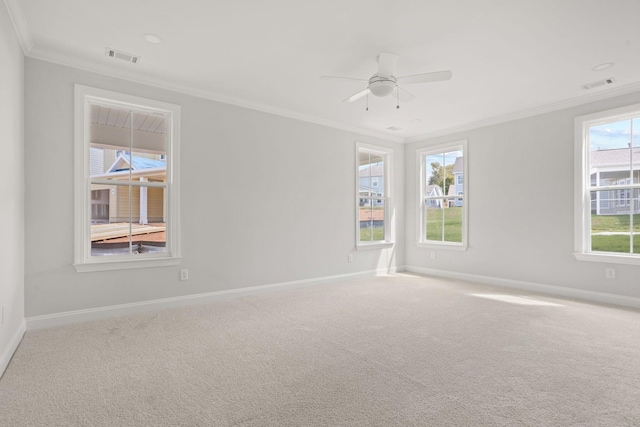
x: 373, y: 245
x: 447, y: 246
x: 121, y: 264
x: 608, y: 258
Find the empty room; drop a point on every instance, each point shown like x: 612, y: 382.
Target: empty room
x: 338, y: 213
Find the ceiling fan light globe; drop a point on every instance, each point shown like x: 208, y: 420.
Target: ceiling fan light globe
x: 382, y: 87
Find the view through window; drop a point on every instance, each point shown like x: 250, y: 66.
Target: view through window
x: 372, y: 195
x: 126, y: 181
x: 614, y: 185
x: 442, y: 195
x: 128, y: 169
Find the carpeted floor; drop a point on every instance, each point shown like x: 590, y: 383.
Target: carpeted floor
x: 400, y: 350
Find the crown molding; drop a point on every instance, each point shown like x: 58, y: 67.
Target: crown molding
x: 547, y: 108
x: 132, y: 76
x: 19, y: 24
x: 85, y: 65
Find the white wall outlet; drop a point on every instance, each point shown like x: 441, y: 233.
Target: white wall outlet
x: 184, y: 274
x: 610, y: 273
x: 433, y: 254
x: 350, y: 258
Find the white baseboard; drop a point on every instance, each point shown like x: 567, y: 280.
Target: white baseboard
x: 77, y: 316
x: 7, y: 354
x: 598, y: 297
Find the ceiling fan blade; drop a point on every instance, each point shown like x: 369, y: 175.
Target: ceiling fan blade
x: 357, y: 95
x: 342, y: 78
x: 426, y: 77
x: 404, y: 95
x: 387, y: 64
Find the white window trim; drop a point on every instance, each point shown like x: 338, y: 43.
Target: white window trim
x: 84, y: 262
x: 388, y: 235
x: 421, y: 242
x: 582, y: 183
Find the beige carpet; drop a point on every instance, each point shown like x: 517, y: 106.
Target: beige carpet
x: 391, y: 351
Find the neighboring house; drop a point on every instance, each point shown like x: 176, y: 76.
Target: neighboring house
x: 433, y: 191
x: 611, y: 167
x: 371, y: 183
x: 456, y: 188
x: 110, y: 203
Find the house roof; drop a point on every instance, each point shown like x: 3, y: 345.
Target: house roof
x: 376, y: 170
x: 618, y: 156
x: 140, y: 167
x: 374, y: 190
x: 458, y: 166
x: 431, y: 188
x: 137, y: 163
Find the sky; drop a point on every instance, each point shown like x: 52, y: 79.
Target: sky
x: 448, y: 158
x: 614, y: 135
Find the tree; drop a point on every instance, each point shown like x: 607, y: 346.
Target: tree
x: 438, y: 172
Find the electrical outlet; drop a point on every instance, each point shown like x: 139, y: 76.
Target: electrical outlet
x: 610, y: 273
x: 184, y: 274
x: 433, y: 254
x: 350, y: 258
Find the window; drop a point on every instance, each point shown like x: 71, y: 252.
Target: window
x: 442, y: 200
x: 372, y: 186
x: 126, y: 181
x: 607, y: 200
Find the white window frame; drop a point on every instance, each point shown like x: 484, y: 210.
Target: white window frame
x: 421, y: 153
x: 583, y: 188
x: 386, y: 184
x: 84, y: 262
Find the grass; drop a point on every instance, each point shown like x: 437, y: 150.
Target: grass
x: 617, y: 243
x: 452, y: 224
x: 371, y: 234
x: 614, y: 223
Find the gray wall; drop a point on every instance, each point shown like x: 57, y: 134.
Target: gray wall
x: 11, y: 185
x: 236, y: 232
x: 521, y: 186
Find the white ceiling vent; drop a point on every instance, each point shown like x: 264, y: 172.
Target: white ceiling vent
x: 599, y: 83
x: 122, y: 55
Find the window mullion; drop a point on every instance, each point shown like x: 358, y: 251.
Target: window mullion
x: 630, y: 182
x: 130, y: 187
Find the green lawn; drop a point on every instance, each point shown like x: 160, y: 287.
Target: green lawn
x: 452, y: 224
x: 371, y: 234
x: 616, y: 243
x: 614, y: 223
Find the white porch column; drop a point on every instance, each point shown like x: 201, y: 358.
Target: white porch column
x: 598, y: 194
x: 143, y: 203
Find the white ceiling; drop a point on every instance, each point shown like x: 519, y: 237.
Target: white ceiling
x: 509, y: 58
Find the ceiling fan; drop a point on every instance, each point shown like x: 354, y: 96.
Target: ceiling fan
x: 384, y: 83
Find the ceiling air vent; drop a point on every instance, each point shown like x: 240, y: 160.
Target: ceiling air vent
x: 122, y: 55
x: 598, y: 83
x: 394, y: 128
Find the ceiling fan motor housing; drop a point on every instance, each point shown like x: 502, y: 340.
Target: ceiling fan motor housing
x: 382, y: 86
